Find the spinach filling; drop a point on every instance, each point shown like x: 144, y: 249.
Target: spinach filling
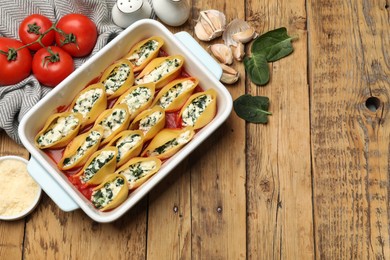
x: 163, y: 148
x: 96, y: 164
x: 102, y: 197
x: 116, y: 78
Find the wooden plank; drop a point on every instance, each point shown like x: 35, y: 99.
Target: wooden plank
x: 349, y: 63
x: 218, y: 173
x: 11, y: 232
x: 169, y: 213
x: 279, y: 193
x: 170, y: 208
x: 169, y: 217
x: 55, y: 234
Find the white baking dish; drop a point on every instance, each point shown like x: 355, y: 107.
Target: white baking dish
x: 198, y: 63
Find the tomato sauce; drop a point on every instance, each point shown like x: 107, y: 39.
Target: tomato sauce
x: 172, y: 121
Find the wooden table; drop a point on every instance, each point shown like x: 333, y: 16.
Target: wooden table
x: 312, y: 183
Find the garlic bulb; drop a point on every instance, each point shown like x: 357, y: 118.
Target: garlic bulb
x: 238, y: 31
x: 229, y: 75
x: 210, y: 25
x: 222, y: 53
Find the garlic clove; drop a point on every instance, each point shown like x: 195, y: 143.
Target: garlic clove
x: 201, y: 32
x: 222, y: 53
x: 238, y: 51
x: 234, y: 27
x: 244, y: 36
x: 206, y: 23
x: 218, y: 20
x: 210, y: 25
x: 229, y: 75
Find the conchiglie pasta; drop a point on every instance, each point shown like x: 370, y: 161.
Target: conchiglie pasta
x: 143, y: 52
x: 110, y: 193
x: 173, y: 96
x: 150, y: 122
x: 113, y: 121
x: 129, y: 144
x: 90, y: 102
x: 117, y: 78
x: 161, y: 71
x: 168, y: 142
x: 98, y: 166
x: 59, y: 130
x: 138, y: 170
x: 199, y: 109
x: 137, y: 98
x: 78, y: 151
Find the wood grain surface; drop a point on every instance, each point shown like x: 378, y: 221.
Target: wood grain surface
x: 350, y: 63
x: 311, y: 184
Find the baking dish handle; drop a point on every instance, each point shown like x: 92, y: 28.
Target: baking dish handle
x: 193, y: 46
x: 50, y: 186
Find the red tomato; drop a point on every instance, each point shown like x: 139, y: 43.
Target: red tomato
x: 50, y: 68
x: 14, y: 65
x: 81, y: 34
x: 32, y: 27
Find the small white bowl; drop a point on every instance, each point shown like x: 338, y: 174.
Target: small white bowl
x: 35, y: 202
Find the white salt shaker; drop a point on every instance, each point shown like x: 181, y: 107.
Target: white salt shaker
x: 126, y: 12
x: 172, y: 12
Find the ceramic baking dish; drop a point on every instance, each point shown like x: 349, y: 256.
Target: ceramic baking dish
x: 43, y: 169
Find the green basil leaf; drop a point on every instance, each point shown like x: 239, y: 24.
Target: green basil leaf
x: 253, y: 109
x: 257, y: 68
x: 274, y: 44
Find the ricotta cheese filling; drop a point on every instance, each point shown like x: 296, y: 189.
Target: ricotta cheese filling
x: 126, y: 144
x: 102, y: 197
x: 148, y: 122
x: 183, y: 138
x: 89, y: 142
x: 96, y: 164
x: 116, y: 78
x: 113, y: 121
x: 137, y: 98
x: 174, y: 92
x: 160, y: 71
x: 61, y: 128
x: 85, y: 101
x: 138, y: 170
x: 139, y: 56
x: 193, y: 111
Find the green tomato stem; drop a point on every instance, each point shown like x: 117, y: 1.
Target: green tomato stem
x: 69, y: 38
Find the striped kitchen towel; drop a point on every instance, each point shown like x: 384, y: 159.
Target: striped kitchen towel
x: 17, y: 99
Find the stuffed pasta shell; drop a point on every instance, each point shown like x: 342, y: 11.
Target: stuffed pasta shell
x: 138, y: 170
x: 129, y: 144
x: 199, y: 109
x: 113, y: 121
x: 143, y: 52
x: 117, y: 78
x: 161, y: 71
x: 150, y: 122
x: 110, y: 193
x: 168, y: 141
x: 78, y: 151
x: 98, y: 166
x: 90, y: 102
x: 173, y: 96
x: 58, y: 130
x: 137, y: 98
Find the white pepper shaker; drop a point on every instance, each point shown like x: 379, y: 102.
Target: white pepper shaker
x: 126, y: 12
x: 172, y: 12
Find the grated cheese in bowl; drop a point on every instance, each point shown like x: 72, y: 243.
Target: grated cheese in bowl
x: 19, y: 193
